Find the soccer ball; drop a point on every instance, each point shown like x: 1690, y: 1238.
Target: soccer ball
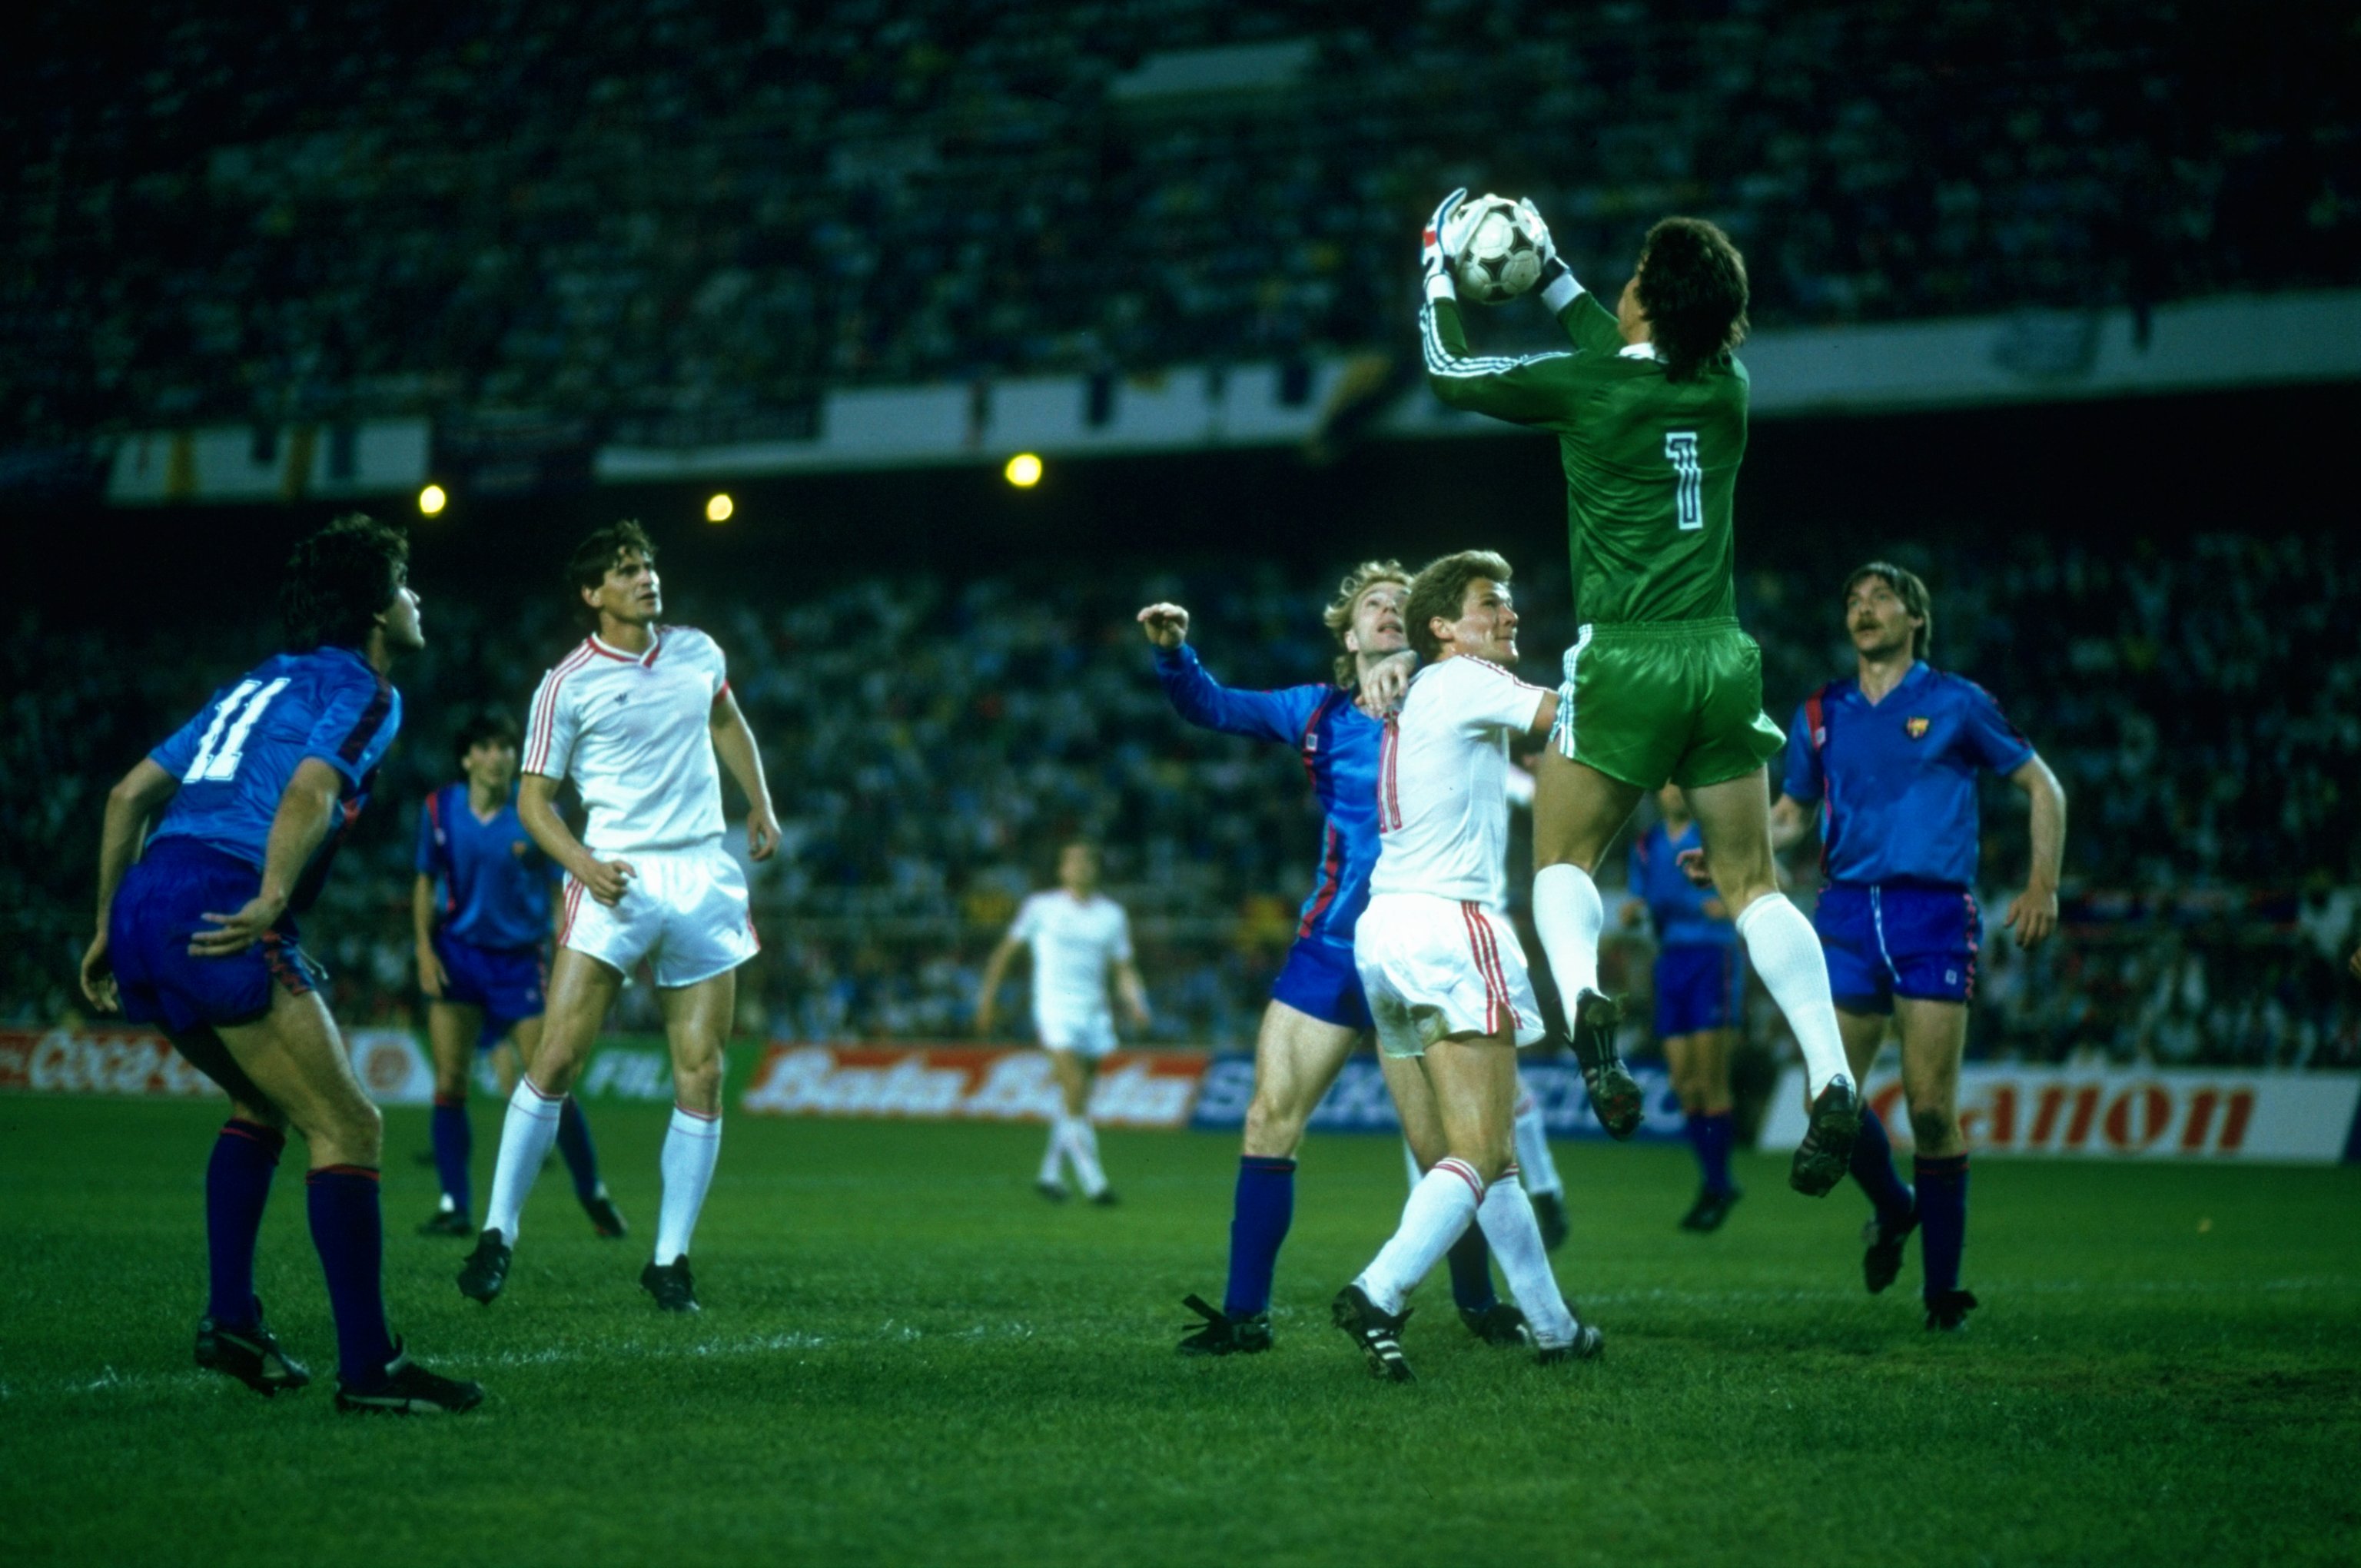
x: 1498, y: 256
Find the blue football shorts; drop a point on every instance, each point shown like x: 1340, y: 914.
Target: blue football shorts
x: 1898, y: 938
x: 1319, y: 978
x: 510, y: 984
x: 159, y: 906
x: 1699, y: 986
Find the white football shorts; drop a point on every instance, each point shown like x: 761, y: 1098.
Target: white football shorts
x: 1088, y: 1034
x: 1436, y: 967
x: 685, y: 913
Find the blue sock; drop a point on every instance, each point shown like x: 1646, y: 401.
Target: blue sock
x: 350, y: 1234
x: 1259, y: 1215
x: 455, y: 1144
x: 1942, y: 1220
x: 237, y: 1185
x: 1712, y: 1132
x: 1872, y: 1167
x: 581, y: 1155
x: 1471, y: 1271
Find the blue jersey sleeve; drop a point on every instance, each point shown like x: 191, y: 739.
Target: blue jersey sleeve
x: 1986, y: 733
x: 430, y: 835
x: 1802, y: 781
x: 1204, y: 701
x: 175, y: 755
x: 360, y: 717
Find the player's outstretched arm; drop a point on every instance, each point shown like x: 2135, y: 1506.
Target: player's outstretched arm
x: 1536, y: 389
x: 431, y: 978
x: 1790, y: 824
x: 1205, y: 702
x: 537, y: 809
x: 995, y: 970
x: 2033, y: 915
x: 734, y: 742
x: 131, y: 804
x: 306, y: 808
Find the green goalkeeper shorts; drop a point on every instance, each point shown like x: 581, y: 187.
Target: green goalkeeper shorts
x: 1644, y: 702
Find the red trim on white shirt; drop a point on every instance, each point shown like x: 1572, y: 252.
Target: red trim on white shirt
x: 545, y: 721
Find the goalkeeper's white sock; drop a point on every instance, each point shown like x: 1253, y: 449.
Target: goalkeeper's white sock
x: 1785, y: 951
x: 1506, y: 1216
x: 1439, y: 1211
x: 1569, y: 914
x: 1532, y: 1147
x: 527, y: 1134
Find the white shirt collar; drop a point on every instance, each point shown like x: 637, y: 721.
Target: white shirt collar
x: 1641, y: 350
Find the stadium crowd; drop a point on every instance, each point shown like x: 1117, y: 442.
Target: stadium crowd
x: 683, y: 222
x: 930, y: 743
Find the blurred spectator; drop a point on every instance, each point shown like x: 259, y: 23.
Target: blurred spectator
x: 685, y: 221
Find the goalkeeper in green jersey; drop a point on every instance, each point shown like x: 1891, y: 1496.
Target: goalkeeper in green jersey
x: 1649, y: 407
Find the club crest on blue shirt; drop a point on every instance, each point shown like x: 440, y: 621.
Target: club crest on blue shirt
x: 1916, y: 727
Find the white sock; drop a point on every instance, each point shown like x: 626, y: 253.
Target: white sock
x: 1440, y: 1208
x: 1506, y: 1216
x: 690, y: 1149
x: 1533, y: 1154
x: 1785, y: 951
x: 527, y: 1134
x: 1082, y: 1148
x: 1569, y: 915
x: 1410, y: 1163
x: 1053, y: 1153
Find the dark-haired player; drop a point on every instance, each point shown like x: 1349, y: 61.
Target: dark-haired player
x: 1700, y: 995
x: 212, y: 844
x: 1649, y: 407
x: 1892, y: 757
x: 1317, y: 1015
x: 635, y: 717
x: 481, y: 908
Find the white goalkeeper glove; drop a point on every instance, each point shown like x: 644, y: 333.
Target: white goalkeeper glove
x: 1436, y: 245
x: 1557, y: 284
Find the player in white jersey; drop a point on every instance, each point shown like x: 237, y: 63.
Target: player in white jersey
x: 1443, y: 970
x: 1078, y: 936
x: 635, y: 718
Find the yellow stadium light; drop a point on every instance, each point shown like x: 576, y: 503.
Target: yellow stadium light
x: 719, y: 509
x: 432, y: 500
x: 1024, y: 471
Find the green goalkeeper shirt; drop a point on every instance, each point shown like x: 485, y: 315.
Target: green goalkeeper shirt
x: 1649, y: 462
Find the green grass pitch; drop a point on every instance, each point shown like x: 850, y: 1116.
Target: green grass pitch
x: 905, y: 1356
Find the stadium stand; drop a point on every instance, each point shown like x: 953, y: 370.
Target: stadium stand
x: 931, y: 742
x: 618, y: 213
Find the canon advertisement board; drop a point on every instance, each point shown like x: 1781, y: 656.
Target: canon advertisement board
x: 2294, y: 1117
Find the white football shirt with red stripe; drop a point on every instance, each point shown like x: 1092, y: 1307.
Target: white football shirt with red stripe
x: 634, y: 733
x: 1442, y: 781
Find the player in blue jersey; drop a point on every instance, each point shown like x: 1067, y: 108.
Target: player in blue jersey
x: 1317, y: 1013
x: 213, y: 843
x: 1700, y: 994
x: 481, y: 907
x: 1891, y: 759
